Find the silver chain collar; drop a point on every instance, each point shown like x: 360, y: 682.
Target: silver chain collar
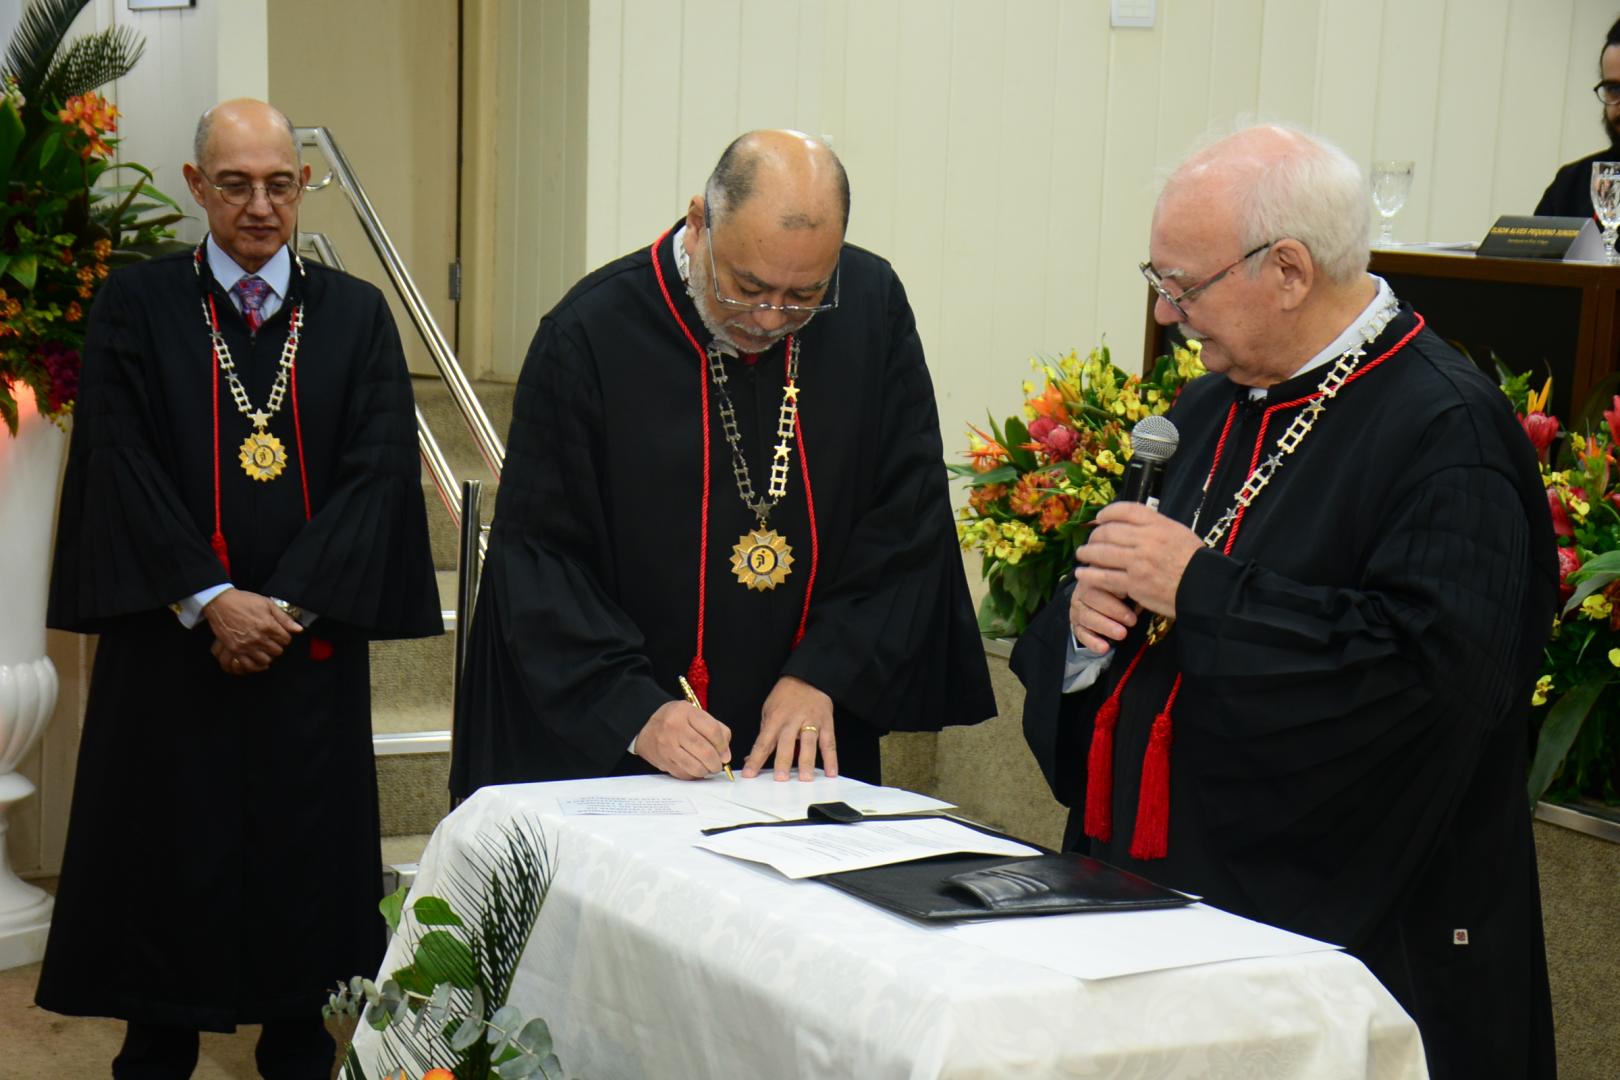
x: 785, y: 420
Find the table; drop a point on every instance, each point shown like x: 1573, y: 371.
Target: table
x: 652, y: 958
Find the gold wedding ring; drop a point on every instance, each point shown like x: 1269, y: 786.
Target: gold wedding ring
x: 810, y: 728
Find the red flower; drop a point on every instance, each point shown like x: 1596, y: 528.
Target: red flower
x: 1541, y: 430
x: 1562, y: 526
x: 1040, y: 426
x: 1060, y: 442
x: 1568, y: 563
x: 1612, y: 418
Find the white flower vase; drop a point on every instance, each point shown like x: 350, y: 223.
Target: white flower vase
x: 30, y: 463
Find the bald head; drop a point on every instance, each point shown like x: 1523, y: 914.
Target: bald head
x: 245, y: 117
x: 794, y: 177
x: 1274, y: 182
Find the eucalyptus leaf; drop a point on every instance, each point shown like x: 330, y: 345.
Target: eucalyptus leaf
x: 551, y: 1064
x: 535, y: 1038
x: 434, y: 911
x: 470, y: 1031
x: 518, y: 1068
x: 1558, y: 731
x: 379, y: 1015
x: 438, y: 1006
x: 503, y: 1025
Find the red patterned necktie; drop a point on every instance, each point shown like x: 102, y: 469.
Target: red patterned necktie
x: 252, y: 291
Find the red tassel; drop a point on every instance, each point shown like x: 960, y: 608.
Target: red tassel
x: 697, y: 673
x: 217, y: 542
x: 1100, y: 771
x: 1151, y: 840
x: 320, y: 649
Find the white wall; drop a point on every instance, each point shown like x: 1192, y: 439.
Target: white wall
x: 1006, y: 155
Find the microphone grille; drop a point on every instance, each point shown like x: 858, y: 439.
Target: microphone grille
x: 1154, y: 438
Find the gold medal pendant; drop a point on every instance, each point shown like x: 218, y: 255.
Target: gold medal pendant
x: 761, y: 559
x: 263, y: 457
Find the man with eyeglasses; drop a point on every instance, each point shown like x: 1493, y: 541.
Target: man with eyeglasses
x: 723, y: 468
x: 1570, y: 193
x: 242, y: 515
x: 1299, y: 688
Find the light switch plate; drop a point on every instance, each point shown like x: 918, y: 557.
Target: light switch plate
x: 1133, y: 14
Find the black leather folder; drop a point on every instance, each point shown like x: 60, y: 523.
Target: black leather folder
x: 984, y: 886
x: 992, y: 886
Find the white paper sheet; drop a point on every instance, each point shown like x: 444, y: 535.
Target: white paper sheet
x: 629, y: 805
x: 1105, y: 945
x: 800, y: 851
x: 787, y: 800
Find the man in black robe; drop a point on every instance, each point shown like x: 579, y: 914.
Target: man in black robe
x: 724, y: 465
x: 1349, y: 577
x: 222, y: 863
x: 1570, y: 193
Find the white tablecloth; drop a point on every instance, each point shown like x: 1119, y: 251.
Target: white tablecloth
x: 652, y: 958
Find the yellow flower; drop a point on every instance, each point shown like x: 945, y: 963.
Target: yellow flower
x: 1579, y: 507
x: 1107, y: 462
x: 1597, y: 606
x: 1614, y: 657
x: 1544, y: 684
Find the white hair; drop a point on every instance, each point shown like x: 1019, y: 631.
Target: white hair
x: 1316, y: 195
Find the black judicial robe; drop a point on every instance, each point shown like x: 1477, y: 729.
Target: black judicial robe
x: 222, y: 862
x: 587, y: 612
x: 1348, y: 746
x: 1570, y: 193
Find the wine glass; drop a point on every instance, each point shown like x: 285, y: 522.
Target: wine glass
x: 1391, y: 184
x: 1606, y: 203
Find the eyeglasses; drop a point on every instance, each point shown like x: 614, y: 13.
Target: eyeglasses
x: 792, y: 311
x: 1188, y: 295
x: 1607, y: 92
x: 280, y: 191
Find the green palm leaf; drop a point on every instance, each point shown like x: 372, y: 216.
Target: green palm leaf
x: 91, y: 61
x: 34, y: 43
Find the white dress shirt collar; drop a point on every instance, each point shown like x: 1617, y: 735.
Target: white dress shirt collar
x: 277, y: 273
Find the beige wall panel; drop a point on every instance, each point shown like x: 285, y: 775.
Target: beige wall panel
x: 1348, y: 64
x: 1289, y: 36
x: 1460, y: 179
x: 1074, y: 261
x: 918, y: 223
x: 1234, y: 41
x: 769, y: 69
x: 867, y: 142
x: 1408, y: 98
x: 1188, y: 71
x: 382, y: 77
x: 707, y: 95
x: 652, y: 125
x: 603, y: 130
x: 1528, y: 148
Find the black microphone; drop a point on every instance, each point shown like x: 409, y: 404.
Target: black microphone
x: 1153, y: 441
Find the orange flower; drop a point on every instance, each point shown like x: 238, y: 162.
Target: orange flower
x: 1025, y: 500
x: 101, y: 271
x: 1055, y: 512
x: 74, y: 312
x: 985, y: 451
x: 85, y: 292
x: 1050, y: 404
x: 982, y: 498
x: 438, y: 1074
x: 102, y: 248
x: 86, y: 275
x: 92, y: 116
x: 66, y: 255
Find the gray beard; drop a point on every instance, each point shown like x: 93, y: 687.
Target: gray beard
x: 697, y: 288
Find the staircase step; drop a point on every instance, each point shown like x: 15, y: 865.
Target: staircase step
x: 413, y: 792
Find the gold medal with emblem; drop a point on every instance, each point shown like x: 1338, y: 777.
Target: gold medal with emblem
x: 263, y: 457
x: 761, y: 559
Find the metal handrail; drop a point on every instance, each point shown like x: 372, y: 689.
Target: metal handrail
x: 444, y: 478
x: 444, y: 358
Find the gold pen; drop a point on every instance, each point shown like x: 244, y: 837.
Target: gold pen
x: 686, y: 688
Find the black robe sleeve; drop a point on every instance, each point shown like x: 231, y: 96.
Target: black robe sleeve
x: 363, y: 557
x: 892, y: 638
x: 551, y: 648
x: 125, y: 540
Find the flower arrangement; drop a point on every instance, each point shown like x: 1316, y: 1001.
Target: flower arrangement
x: 444, y: 1015
x: 60, y: 226
x: 1576, y: 735
x: 1037, y: 480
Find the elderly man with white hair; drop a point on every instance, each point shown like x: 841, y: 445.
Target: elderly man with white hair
x: 1299, y: 686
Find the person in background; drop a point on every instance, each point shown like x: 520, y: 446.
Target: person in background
x: 1570, y: 193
